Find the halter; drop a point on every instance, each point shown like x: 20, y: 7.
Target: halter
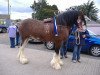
x: 77, y: 36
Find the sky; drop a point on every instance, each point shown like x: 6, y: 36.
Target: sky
x: 20, y: 9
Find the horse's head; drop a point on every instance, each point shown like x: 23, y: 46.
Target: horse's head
x: 81, y: 19
x: 71, y: 17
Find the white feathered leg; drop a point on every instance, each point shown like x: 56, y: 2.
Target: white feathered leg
x: 21, y: 55
x: 56, y: 62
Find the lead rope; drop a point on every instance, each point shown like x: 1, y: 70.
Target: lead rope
x: 77, y: 36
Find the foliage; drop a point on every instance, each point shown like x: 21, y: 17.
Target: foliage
x: 42, y: 10
x: 89, y: 9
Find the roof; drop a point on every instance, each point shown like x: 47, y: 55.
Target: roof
x: 4, y: 16
x: 93, y: 23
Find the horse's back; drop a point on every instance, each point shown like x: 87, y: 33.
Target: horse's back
x: 37, y: 29
x: 41, y: 30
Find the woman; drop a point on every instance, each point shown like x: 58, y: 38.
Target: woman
x: 80, y: 35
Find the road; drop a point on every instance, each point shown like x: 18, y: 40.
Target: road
x: 39, y: 61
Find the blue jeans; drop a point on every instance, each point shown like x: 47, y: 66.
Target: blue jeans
x: 17, y: 39
x: 76, y: 52
x: 63, y: 49
x: 12, y: 42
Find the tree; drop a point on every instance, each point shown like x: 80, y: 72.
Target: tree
x: 89, y: 9
x: 43, y: 10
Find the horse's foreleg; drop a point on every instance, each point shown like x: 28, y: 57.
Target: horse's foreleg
x: 56, y: 61
x: 21, y: 55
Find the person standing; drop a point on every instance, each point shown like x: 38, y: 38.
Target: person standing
x: 17, y: 35
x: 80, y: 35
x: 63, y: 50
x: 12, y: 35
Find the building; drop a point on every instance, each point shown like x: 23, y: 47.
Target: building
x: 5, y: 19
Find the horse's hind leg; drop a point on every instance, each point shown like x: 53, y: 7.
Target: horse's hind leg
x: 21, y: 55
x: 56, y: 61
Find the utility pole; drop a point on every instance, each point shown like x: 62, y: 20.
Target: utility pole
x: 8, y: 8
x: 8, y: 21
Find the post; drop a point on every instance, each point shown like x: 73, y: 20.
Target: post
x: 8, y: 7
x: 8, y: 20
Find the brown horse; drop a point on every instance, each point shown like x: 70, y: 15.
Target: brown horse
x: 45, y: 32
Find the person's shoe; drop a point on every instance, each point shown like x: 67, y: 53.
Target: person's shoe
x: 12, y: 47
x: 65, y: 56
x: 79, y: 61
x: 16, y: 45
x: 74, y: 61
x: 61, y: 57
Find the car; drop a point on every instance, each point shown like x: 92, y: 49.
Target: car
x: 3, y: 28
x: 92, y: 45
x: 34, y: 41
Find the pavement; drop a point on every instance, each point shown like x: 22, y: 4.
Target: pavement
x: 39, y: 63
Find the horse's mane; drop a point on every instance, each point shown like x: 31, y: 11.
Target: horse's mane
x: 68, y: 17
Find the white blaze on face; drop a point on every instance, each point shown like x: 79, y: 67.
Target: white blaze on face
x: 84, y: 27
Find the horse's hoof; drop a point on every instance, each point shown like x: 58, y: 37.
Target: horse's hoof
x: 57, y: 66
x: 61, y: 63
x: 52, y: 63
x: 24, y: 60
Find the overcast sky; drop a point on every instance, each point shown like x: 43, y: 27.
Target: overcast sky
x: 20, y: 9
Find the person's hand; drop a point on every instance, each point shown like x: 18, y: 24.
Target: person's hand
x: 83, y: 36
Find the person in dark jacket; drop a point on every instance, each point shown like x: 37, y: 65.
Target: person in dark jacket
x: 80, y: 35
x: 17, y: 35
x: 63, y: 48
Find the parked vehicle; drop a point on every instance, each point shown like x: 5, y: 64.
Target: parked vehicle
x: 3, y: 28
x: 91, y: 46
x: 33, y: 40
